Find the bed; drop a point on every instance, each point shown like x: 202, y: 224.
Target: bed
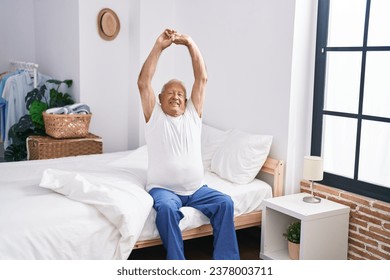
x: 95, y: 207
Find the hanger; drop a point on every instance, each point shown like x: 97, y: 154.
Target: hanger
x: 29, y: 66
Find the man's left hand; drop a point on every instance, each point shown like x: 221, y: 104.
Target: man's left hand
x: 181, y: 39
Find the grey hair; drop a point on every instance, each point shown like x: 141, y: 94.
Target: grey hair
x: 174, y: 81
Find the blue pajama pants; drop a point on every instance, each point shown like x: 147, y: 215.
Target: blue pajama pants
x: 218, y: 207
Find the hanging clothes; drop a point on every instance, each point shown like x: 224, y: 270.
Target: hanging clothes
x: 14, y: 93
x: 3, y: 102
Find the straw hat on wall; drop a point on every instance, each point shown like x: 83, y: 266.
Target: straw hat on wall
x: 108, y: 24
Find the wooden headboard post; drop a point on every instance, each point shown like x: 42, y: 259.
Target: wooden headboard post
x: 276, y: 168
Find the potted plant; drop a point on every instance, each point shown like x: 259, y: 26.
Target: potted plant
x: 32, y: 123
x: 293, y: 236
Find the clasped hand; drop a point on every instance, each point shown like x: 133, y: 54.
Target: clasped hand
x: 170, y: 36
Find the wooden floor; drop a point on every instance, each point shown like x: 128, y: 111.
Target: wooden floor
x: 202, y: 248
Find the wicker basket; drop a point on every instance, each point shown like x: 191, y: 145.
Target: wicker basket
x: 46, y: 147
x: 67, y: 126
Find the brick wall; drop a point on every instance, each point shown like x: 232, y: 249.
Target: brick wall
x: 369, y: 222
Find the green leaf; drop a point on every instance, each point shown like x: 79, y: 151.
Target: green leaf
x: 35, y: 111
x: 58, y: 82
x: 30, y: 97
x: 68, y: 82
x: 293, y: 232
x: 23, y: 124
x: 21, y: 130
x: 42, y: 91
x: 59, y: 99
x: 52, y: 81
x: 15, y: 152
x: 35, y: 95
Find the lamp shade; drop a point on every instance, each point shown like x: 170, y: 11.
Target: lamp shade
x: 313, y: 168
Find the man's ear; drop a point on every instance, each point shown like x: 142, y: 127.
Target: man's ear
x: 186, y: 100
x: 159, y: 98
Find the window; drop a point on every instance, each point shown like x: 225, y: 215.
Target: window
x: 351, y: 112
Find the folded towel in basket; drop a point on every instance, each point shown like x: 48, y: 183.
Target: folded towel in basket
x: 78, y: 108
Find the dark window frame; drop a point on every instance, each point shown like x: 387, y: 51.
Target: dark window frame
x: 352, y: 185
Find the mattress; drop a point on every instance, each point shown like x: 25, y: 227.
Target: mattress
x: 38, y: 223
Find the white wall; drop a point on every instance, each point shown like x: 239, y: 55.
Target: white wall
x: 261, y: 69
x: 259, y: 55
x: 301, y: 95
x: 104, y: 73
x: 62, y: 37
x: 56, y: 40
x: 134, y: 58
x: 248, y: 60
x: 155, y: 16
x: 17, y: 32
x: 44, y: 32
x: 247, y: 46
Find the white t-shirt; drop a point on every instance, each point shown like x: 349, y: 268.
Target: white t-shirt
x: 174, y: 151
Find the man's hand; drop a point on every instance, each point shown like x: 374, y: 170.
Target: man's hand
x: 166, y: 38
x: 181, y: 39
x: 199, y: 67
x: 148, y: 98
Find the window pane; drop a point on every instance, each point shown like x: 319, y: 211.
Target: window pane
x: 374, y: 164
x: 378, y: 29
x: 339, y: 144
x: 346, y: 23
x: 342, y: 81
x: 377, y: 84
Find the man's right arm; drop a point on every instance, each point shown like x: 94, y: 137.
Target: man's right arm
x: 148, y: 98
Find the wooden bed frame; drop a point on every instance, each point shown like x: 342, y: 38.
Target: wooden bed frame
x: 271, y: 166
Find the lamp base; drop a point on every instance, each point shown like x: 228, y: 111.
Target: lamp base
x: 311, y: 199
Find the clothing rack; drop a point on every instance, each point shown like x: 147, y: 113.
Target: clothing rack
x: 27, y: 66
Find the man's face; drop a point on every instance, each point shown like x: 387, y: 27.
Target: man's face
x: 173, y: 99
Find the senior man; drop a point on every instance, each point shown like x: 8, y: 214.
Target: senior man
x: 175, y: 171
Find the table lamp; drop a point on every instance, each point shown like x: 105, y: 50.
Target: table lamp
x: 312, y: 171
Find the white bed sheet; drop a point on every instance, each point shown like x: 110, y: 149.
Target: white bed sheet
x: 247, y: 198
x: 37, y: 223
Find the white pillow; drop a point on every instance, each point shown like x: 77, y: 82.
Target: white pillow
x: 241, y: 156
x: 212, y: 138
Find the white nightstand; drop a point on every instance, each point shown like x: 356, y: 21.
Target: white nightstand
x: 324, y: 228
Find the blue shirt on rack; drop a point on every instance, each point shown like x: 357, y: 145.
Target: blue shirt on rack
x: 3, y: 102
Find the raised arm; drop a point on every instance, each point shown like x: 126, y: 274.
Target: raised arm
x: 200, y: 72
x: 148, y: 98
